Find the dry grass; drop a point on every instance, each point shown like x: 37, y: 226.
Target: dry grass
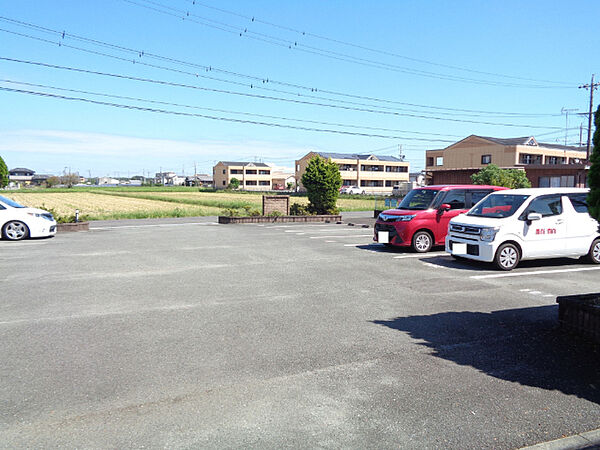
x: 103, y: 204
x: 98, y: 206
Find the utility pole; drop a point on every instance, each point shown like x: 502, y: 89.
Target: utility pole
x: 591, y: 87
x: 566, y: 112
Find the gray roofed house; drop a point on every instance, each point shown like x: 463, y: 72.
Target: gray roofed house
x: 545, y: 165
x: 371, y: 173
x: 246, y: 163
x: 360, y: 156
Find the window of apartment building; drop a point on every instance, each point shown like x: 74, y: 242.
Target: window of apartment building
x: 223, y: 182
x: 224, y: 171
x: 297, y: 167
x: 348, y: 182
x: 527, y: 158
x: 235, y: 171
x: 486, y: 159
x: 371, y: 183
x: 251, y: 183
x: 430, y: 160
x: 264, y: 172
x: 251, y: 172
x: 370, y: 168
x: 347, y: 167
x: 439, y: 161
x: 264, y: 183
x: 555, y: 160
x: 557, y: 181
x: 390, y: 183
x: 396, y: 169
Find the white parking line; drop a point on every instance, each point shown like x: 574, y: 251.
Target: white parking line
x: 362, y: 243
x: 421, y: 255
x: 301, y: 226
x: 349, y: 230
x: 341, y: 237
x: 152, y: 225
x: 537, y: 272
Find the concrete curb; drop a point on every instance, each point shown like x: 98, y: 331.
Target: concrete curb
x: 587, y: 440
x: 79, y: 226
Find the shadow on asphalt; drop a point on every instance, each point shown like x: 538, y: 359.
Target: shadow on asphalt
x: 523, y: 346
x: 470, y: 265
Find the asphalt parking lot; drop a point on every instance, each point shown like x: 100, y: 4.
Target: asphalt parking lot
x: 189, y: 334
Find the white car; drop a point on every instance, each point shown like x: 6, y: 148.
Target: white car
x: 20, y: 222
x: 514, y: 225
x: 352, y: 190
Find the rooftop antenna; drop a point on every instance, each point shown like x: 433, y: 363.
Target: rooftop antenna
x: 566, y: 112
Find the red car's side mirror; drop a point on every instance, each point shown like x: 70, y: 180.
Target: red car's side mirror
x: 444, y: 207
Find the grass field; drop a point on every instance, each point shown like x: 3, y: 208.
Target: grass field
x: 136, y: 203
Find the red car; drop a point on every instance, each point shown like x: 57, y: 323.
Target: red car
x: 421, y: 219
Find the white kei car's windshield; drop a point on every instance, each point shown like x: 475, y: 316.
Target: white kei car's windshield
x: 9, y: 202
x: 498, y: 205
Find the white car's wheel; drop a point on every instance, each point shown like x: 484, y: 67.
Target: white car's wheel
x: 15, y: 230
x: 594, y: 254
x: 507, y: 256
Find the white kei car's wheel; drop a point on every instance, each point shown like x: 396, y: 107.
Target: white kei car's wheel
x: 507, y: 256
x: 594, y: 255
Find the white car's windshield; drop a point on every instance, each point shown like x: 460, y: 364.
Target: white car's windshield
x: 418, y: 199
x: 9, y: 202
x: 498, y: 206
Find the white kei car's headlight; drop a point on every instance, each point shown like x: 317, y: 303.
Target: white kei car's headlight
x: 488, y: 234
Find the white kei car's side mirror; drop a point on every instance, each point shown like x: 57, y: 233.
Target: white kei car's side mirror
x: 533, y: 216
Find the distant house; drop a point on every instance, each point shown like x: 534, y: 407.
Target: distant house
x: 107, y: 180
x: 169, y: 179
x: 21, y: 175
x: 252, y: 176
x: 39, y: 179
x: 546, y: 165
x: 200, y: 179
x: 281, y: 180
x: 372, y: 173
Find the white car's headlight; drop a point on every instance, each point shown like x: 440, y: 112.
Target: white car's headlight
x: 46, y: 216
x: 488, y: 234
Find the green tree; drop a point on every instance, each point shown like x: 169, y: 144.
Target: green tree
x: 3, y: 173
x: 495, y: 176
x: 52, y: 181
x: 322, y: 180
x: 234, y: 183
x: 594, y: 173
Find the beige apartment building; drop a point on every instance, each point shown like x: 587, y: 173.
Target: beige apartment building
x: 252, y: 176
x: 546, y: 165
x: 375, y: 174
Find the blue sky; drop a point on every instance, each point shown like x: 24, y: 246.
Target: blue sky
x: 334, y: 76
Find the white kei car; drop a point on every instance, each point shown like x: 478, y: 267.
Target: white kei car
x: 20, y: 222
x: 352, y: 190
x: 513, y: 225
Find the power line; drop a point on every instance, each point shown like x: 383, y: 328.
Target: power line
x: 260, y: 81
x: 122, y: 97
x: 186, y: 15
x: 204, y: 116
x: 361, y: 47
x: 187, y: 86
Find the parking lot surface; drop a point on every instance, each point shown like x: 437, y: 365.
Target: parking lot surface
x: 188, y: 334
